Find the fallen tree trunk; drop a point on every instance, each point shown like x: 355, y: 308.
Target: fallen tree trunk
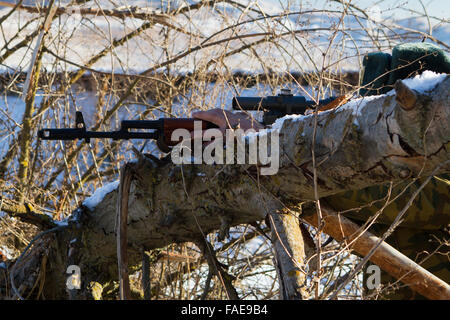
x: 367, y: 142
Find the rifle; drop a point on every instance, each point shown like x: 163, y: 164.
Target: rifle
x: 163, y: 128
x: 285, y: 103
x: 274, y: 107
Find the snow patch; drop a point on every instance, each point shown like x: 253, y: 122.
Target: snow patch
x: 426, y: 81
x: 423, y: 82
x: 7, y: 252
x: 356, y: 105
x: 278, y: 124
x: 62, y: 223
x: 275, y: 128
x: 100, y: 194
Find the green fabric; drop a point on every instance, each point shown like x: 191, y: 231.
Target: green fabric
x: 410, y: 59
x: 381, y: 70
x: 375, y: 73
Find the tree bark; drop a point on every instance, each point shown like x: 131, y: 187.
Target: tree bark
x: 288, y: 246
x: 380, y: 141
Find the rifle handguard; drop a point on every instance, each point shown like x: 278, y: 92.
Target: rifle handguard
x: 163, y: 129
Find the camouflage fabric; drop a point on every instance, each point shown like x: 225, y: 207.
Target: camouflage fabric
x: 424, y: 227
x: 429, y: 211
x: 426, y: 222
x: 417, y: 245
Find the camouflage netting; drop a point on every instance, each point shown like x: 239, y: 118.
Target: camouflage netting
x: 426, y: 223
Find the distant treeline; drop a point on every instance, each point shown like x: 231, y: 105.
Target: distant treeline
x: 11, y: 83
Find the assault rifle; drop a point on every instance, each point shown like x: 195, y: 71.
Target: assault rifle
x: 285, y: 103
x: 273, y: 106
x: 162, y: 130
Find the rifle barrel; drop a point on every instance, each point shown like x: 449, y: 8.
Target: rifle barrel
x: 74, y: 133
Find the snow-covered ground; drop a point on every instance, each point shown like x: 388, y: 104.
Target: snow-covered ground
x: 78, y: 38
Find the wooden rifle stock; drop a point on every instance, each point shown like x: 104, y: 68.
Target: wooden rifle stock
x: 172, y: 124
